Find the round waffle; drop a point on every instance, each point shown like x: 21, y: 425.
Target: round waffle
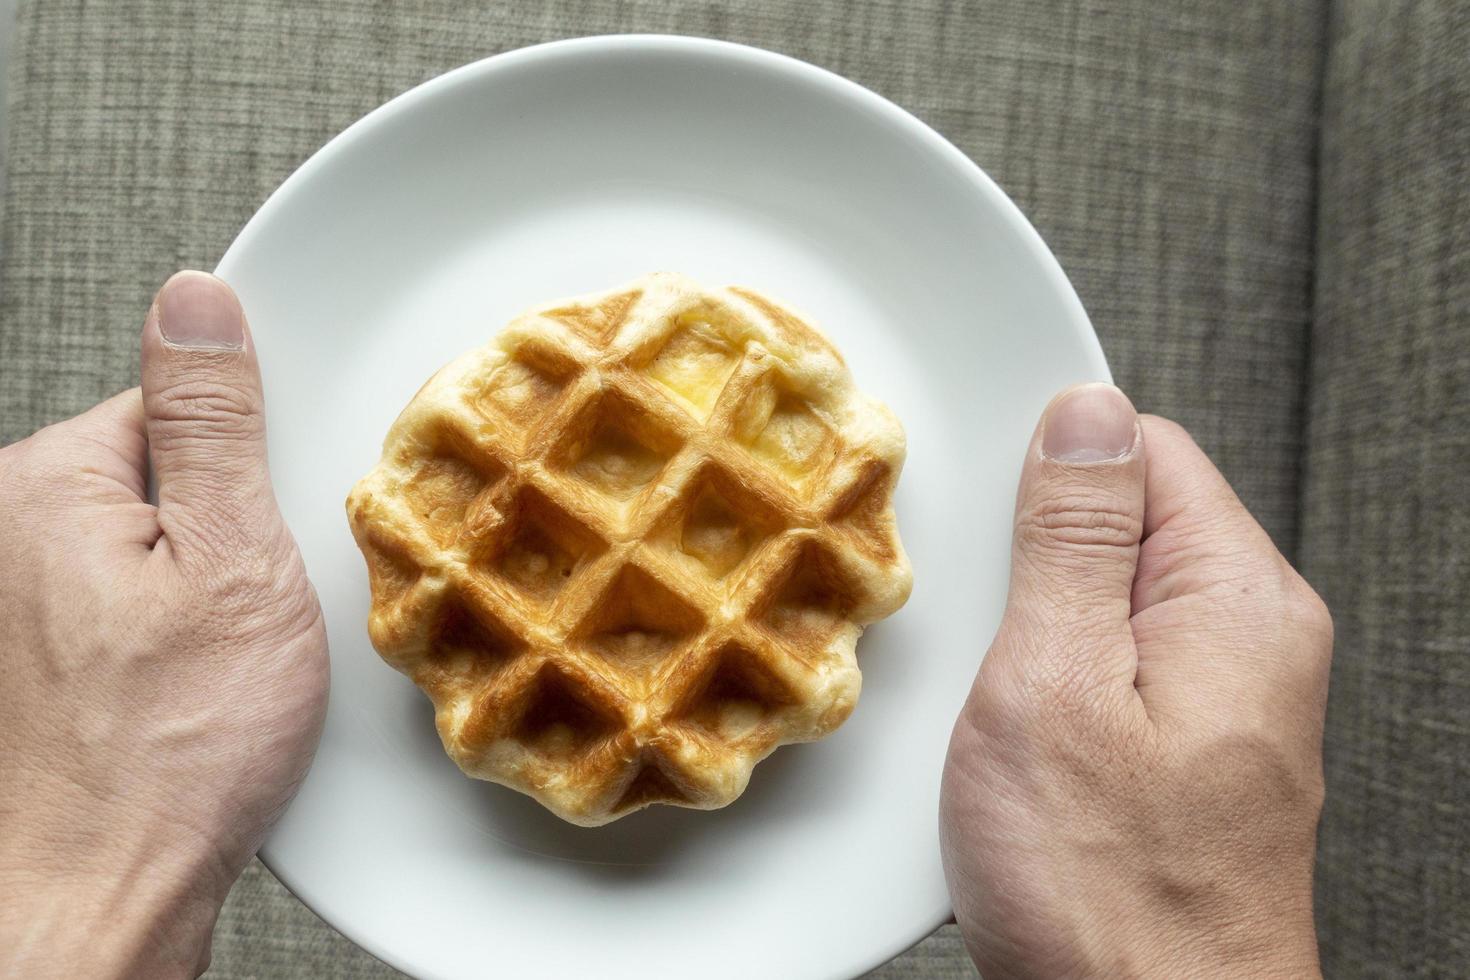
x: 628, y: 547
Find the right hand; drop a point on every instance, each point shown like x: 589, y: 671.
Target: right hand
x: 1134, y: 784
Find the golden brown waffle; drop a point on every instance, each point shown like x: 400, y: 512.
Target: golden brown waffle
x: 628, y: 547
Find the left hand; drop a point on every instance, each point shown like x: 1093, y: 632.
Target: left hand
x: 164, y: 667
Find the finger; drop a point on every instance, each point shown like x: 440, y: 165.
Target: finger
x: 110, y: 444
x: 204, y: 410
x: 1198, y: 536
x: 85, y: 478
x: 1079, y: 519
x: 1224, y: 626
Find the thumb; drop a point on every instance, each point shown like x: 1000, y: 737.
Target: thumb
x: 204, y: 416
x: 1079, y: 521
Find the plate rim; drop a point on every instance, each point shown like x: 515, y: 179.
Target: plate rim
x: 750, y: 56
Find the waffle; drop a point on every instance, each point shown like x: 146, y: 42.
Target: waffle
x: 628, y: 547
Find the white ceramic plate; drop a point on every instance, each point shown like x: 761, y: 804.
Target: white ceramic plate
x: 571, y: 167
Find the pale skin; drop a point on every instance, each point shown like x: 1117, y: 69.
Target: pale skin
x: 165, y: 670
x: 1132, y: 788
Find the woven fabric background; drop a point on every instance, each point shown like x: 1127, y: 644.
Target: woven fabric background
x: 1386, y: 505
x: 1165, y: 151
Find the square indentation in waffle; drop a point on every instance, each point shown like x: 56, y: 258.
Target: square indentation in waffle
x: 449, y: 488
x: 540, y: 547
x: 735, y: 696
x: 782, y: 429
x: 467, y: 645
x: 523, y: 388
x: 718, y: 522
x: 615, y: 447
x: 560, y: 720
x: 810, y: 599
x: 701, y: 352
x: 638, y: 624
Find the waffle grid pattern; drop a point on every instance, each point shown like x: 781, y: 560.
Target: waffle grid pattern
x: 628, y: 548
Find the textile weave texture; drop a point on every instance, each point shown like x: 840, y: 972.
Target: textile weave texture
x: 1169, y: 154
x: 1386, y: 516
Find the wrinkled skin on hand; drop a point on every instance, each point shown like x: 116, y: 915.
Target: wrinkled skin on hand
x: 164, y: 670
x: 1134, y: 784
x: 1132, y: 788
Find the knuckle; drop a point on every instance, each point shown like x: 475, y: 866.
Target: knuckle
x: 995, y: 704
x: 1305, y: 611
x: 209, y: 408
x: 1312, y: 612
x: 1081, y: 522
x: 1315, y: 790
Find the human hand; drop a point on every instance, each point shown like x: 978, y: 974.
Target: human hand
x: 164, y: 667
x: 1134, y: 783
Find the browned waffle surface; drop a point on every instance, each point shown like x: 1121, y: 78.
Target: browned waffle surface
x: 628, y: 547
